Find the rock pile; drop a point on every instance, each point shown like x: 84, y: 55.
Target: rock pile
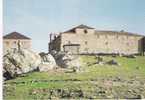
x: 16, y: 62
x: 67, y: 60
x: 47, y: 63
x: 19, y: 61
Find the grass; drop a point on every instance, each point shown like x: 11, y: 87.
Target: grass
x: 88, y: 80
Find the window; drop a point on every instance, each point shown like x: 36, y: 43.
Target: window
x: 14, y: 42
x: 85, y: 31
x: 98, y: 36
x: 69, y: 42
x: 86, y: 42
x: 106, y: 43
x: 106, y: 36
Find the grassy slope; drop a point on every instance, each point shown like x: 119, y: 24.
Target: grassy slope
x: 21, y: 86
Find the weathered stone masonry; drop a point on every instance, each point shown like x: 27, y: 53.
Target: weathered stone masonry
x: 86, y: 40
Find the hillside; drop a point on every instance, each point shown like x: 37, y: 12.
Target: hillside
x: 126, y: 80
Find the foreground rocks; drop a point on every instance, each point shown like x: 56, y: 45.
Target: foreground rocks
x: 67, y: 60
x: 48, y: 62
x: 100, y: 88
x: 17, y: 62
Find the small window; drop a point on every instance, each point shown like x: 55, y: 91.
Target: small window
x: 86, y: 42
x: 85, y: 31
x: 106, y: 36
x: 98, y: 36
x: 106, y: 43
x: 69, y: 42
x: 15, y: 42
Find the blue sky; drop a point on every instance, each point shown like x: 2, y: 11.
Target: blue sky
x: 38, y: 18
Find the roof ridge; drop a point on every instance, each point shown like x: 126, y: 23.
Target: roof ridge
x: 79, y: 26
x: 15, y: 35
x: 119, y: 32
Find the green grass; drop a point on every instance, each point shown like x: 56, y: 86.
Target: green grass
x: 22, y: 86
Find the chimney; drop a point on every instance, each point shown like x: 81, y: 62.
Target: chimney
x: 50, y: 36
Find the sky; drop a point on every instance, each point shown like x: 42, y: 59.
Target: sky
x: 38, y: 18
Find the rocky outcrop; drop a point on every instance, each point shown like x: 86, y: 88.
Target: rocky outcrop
x: 48, y: 62
x: 17, y: 62
x: 67, y: 60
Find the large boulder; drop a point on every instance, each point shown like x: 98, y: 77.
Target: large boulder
x: 48, y: 62
x: 67, y: 60
x: 19, y: 61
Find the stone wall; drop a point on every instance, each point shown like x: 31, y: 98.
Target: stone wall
x: 103, y: 43
x: 55, y: 44
x: 13, y: 43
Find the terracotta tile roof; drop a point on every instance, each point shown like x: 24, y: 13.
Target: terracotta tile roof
x: 84, y: 26
x: 117, y: 33
x: 101, y: 32
x: 80, y: 26
x: 15, y: 35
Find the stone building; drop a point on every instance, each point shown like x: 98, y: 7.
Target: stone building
x: 86, y: 40
x: 143, y: 43
x: 13, y: 39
